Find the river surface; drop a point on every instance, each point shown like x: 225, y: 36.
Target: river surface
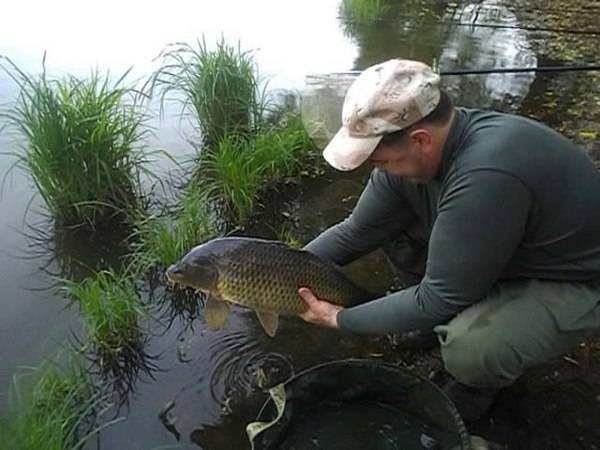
x: 209, y: 379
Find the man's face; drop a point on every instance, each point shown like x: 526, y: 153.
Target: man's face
x: 408, y: 157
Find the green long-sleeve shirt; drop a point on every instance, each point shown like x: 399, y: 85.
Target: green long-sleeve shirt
x: 513, y: 199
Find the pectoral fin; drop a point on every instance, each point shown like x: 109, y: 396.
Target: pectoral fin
x: 269, y: 321
x: 215, y: 313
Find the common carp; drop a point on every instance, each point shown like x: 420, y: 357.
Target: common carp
x: 262, y: 275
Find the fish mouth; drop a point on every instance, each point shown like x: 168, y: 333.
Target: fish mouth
x: 174, y: 274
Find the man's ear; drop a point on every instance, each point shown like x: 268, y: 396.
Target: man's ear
x: 422, y: 137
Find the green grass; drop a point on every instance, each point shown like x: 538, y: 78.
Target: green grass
x: 248, y: 144
x: 365, y: 9
x: 220, y: 86
x: 111, y: 309
x: 236, y: 171
x: 231, y: 176
x: 161, y: 240
x: 289, y: 237
x: 54, y: 408
x: 284, y: 149
x: 79, y: 142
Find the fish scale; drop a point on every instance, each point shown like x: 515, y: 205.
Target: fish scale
x: 266, y: 275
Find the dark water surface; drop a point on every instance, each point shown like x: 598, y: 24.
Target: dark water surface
x: 374, y: 426
x: 209, y: 383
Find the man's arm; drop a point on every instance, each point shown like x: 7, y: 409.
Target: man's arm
x: 379, y: 214
x: 480, y: 223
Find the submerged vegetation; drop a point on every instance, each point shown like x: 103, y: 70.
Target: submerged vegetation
x: 80, y: 142
x: 54, y: 408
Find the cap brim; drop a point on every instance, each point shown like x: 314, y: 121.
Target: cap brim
x: 345, y: 152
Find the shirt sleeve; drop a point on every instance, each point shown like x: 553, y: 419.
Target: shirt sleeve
x: 481, y: 221
x: 380, y: 213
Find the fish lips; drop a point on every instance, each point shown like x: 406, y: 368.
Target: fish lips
x: 174, y: 273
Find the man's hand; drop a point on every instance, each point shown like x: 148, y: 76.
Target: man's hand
x: 319, y: 312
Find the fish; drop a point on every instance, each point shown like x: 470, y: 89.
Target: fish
x: 263, y: 275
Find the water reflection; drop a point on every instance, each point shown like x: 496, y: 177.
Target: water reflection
x: 405, y: 31
x: 74, y: 253
x: 213, y: 384
x: 322, y: 100
x: 480, y: 47
x: 121, y: 372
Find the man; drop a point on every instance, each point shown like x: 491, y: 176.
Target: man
x: 510, y: 211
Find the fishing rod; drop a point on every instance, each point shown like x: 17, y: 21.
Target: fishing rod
x: 555, y: 68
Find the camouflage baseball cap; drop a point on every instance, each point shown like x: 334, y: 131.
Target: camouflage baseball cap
x: 386, y: 97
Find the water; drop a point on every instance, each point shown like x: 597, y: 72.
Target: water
x: 212, y: 378
x: 357, y: 426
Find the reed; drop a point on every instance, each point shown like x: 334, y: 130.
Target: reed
x: 79, y: 141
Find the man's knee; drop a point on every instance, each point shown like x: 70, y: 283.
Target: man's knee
x: 479, y: 361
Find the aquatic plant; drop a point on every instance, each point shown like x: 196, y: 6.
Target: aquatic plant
x: 289, y: 237
x: 111, y: 309
x: 220, y: 86
x: 284, y: 150
x: 248, y: 142
x: 237, y: 170
x: 231, y: 177
x: 54, y: 408
x: 160, y: 240
x: 78, y: 140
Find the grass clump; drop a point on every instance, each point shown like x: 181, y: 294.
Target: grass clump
x: 111, y: 309
x: 160, y: 241
x: 220, y: 86
x: 55, y: 409
x: 231, y: 176
x: 248, y: 145
x: 79, y: 142
x: 238, y: 170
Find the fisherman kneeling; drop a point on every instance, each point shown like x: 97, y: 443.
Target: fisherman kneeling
x: 508, y: 211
